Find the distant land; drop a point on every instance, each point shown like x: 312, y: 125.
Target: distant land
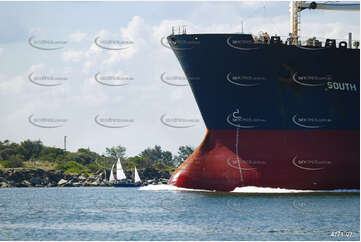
x: 33, y: 164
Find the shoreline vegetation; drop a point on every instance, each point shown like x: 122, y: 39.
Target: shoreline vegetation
x: 32, y: 164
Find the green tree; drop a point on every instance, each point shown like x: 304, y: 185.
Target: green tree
x: 104, y: 162
x: 183, y: 153
x: 138, y: 161
x: 6, y: 153
x: 12, y: 162
x: 115, y: 152
x: 30, y: 149
x: 159, y: 166
x: 84, y: 159
x: 81, y: 158
x: 51, y: 154
x: 72, y: 167
x: 93, y: 155
x: 6, y: 144
x: 157, y: 154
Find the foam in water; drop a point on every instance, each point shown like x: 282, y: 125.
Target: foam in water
x: 166, y: 187
x: 247, y: 189
x: 252, y: 189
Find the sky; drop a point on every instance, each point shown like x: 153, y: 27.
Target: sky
x: 103, y: 83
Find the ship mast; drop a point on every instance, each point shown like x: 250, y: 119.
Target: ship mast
x: 297, y: 6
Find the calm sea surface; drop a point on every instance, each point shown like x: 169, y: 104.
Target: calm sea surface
x: 164, y: 213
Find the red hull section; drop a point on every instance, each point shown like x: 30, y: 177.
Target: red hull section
x: 293, y: 159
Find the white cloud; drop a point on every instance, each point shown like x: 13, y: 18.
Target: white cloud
x: 1, y: 51
x: 73, y: 55
x: 36, y: 68
x: 88, y: 65
x: 78, y: 36
x: 11, y: 84
x: 20, y: 84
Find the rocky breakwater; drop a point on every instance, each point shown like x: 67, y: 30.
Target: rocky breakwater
x: 156, y: 181
x: 48, y: 178
x: 57, y: 178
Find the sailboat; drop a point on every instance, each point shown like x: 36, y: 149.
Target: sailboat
x: 121, y: 180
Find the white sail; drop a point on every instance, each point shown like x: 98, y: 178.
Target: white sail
x: 120, y: 172
x: 136, y: 176
x: 111, y: 177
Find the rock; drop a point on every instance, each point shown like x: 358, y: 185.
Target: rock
x: 87, y: 183
x: 2, y: 179
x: 17, y: 177
x: 85, y: 175
x: 75, y: 179
x: 20, y: 184
x: 36, y: 181
x: 101, y: 175
x: 46, y: 180
x: 82, y: 178
x: 62, y: 182
x: 26, y: 183
x: 40, y: 172
x: 49, y: 178
x: 92, y: 177
x: 67, y: 177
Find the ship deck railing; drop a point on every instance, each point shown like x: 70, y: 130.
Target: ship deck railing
x: 308, y: 41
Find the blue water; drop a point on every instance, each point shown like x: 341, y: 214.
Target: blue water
x: 106, y: 213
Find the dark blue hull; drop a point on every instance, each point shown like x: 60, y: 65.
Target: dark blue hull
x: 270, y: 86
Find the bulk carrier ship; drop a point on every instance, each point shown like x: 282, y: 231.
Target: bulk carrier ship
x: 282, y: 115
